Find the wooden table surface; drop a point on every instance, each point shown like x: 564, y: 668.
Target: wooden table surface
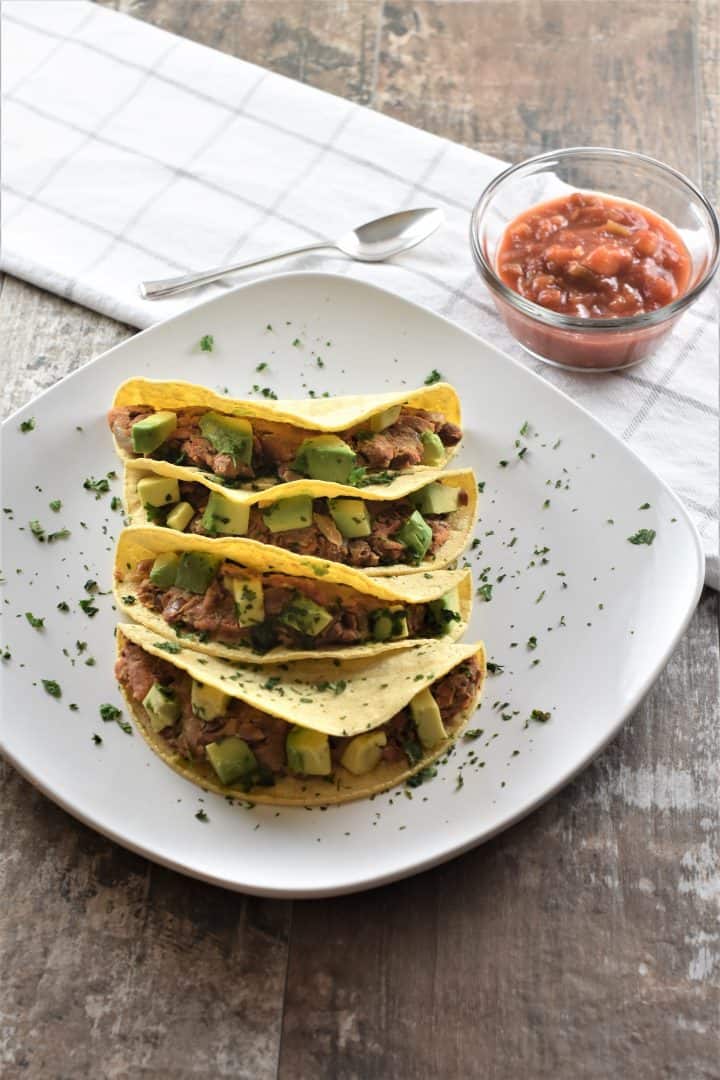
x: 584, y: 942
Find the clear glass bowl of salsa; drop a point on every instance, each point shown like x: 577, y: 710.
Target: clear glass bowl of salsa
x: 592, y: 254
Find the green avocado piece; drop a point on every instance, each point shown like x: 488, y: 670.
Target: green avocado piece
x: 445, y: 611
x: 436, y: 499
x: 363, y: 753
x: 161, y: 706
x: 305, y: 615
x: 286, y: 514
x: 228, y: 435
x: 433, y: 450
x: 152, y: 431
x: 385, y: 419
x: 351, y: 517
x: 308, y: 752
x: 389, y: 624
x: 232, y: 759
x: 164, y: 569
x: 207, y: 702
x: 247, y: 592
x: 195, y: 571
x: 427, y: 718
x: 325, y: 457
x: 158, y: 490
x: 416, y: 535
x: 222, y: 515
x: 180, y: 516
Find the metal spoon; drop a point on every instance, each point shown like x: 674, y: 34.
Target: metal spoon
x: 372, y: 242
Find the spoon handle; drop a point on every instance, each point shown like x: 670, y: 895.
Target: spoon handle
x: 156, y: 290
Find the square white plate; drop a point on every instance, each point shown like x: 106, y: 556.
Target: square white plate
x: 605, y: 613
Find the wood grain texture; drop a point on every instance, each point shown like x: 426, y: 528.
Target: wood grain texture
x: 582, y: 943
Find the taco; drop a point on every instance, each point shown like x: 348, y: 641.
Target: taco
x: 307, y: 734
x: 245, y: 601
x: 347, y: 440
x: 422, y: 521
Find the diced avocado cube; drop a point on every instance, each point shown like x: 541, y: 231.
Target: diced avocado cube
x: 416, y: 535
x: 161, y: 706
x: 305, y: 615
x: 163, y: 572
x: 228, y: 435
x: 180, y: 516
x: 325, y: 457
x: 427, y: 718
x: 381, y: 420
x: 308, y: 752
x: 436, y: 499
x: 224, y: 516
x: 286, y: 514
x: 351, y: 517
x: 388, y: 624
x: 433, y: 449
x: 445, y: 611
x: 207, y: 702
x: 232, y: 759
x: 363, y: 753
x: 152, y: 431
x: 248, y: 594
x: 158, y: 490
x: 195, y: 571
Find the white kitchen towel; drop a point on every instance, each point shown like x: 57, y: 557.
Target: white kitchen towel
x: 130, y: 153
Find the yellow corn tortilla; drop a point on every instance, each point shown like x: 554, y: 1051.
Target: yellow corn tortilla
x: 137, y: 543
x: 375, y: 690
x: 318, y: 414
x: 461, y: 521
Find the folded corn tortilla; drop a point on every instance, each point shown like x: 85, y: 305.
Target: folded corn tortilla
x: 374, y: 689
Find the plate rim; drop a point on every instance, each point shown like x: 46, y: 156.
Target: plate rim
x: 416, y: 866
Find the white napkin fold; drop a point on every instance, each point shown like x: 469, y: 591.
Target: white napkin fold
x: 130, y: 153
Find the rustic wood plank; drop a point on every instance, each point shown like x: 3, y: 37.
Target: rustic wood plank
x: 579, y: 943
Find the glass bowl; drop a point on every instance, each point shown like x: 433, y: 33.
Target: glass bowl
x: 570, y: 341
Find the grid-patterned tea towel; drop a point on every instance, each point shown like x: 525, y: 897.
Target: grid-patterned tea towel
x: 131, y: 153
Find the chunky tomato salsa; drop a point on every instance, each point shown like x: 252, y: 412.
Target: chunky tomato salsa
x: 594, y: 256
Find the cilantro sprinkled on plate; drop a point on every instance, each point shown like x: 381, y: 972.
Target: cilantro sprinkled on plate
x: 433, y: 377
x: 28, y: 425
x: 36, y: 623
x: 202, y: 816
x: 485, y: 591
x: 207, y: 343
x: 55, y: 505
x: 100, y: 487
x: 539, y: 716
x: 88, y: 607
x: 52, y: 687
x: 643, y: 536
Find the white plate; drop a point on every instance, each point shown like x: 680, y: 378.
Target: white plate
x: 624, y: 606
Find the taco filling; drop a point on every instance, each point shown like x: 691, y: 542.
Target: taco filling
x: 353, y: 531
x: 239, y: 452
x: 246, y: 747
x: 218, y: 600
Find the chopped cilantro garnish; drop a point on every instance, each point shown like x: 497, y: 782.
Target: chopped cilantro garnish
x: 433, y: 377
x: 539, y: 716
x: 643, y: 536
x: 109, y: 712
x: 261, y: 367
x: 52, y: 687
x: 167, y: 646
x: 297, y: 343
x: 98, y: 486
x: 546, y: 504
x: 202, y: 816
x: 88, y: 608
x: 645, y: 506
x: 28, y: 425
x: 55, y: 504
x: 37, y: 530
x: 90, y: 586
x: 421, y: 777
x: 532, y: 642
x: 485, y: 591
x: 207, y: 343
x: 481, y: 486
x: 63, y: 606
x: 503, y: 464
x: 37, y: 624
x: 473, y: 733
x: 61, y: 534
x: 539, y: 598
x: 495, y: 669
x: 129, y: 600
x: 116, y: 504
x: 524, y: 430
x: 97, y: 739
x: 475, y: 544
x: 459, y: 782
x: 268, y: 393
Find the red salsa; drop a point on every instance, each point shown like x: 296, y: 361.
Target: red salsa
x: 594, y: 256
